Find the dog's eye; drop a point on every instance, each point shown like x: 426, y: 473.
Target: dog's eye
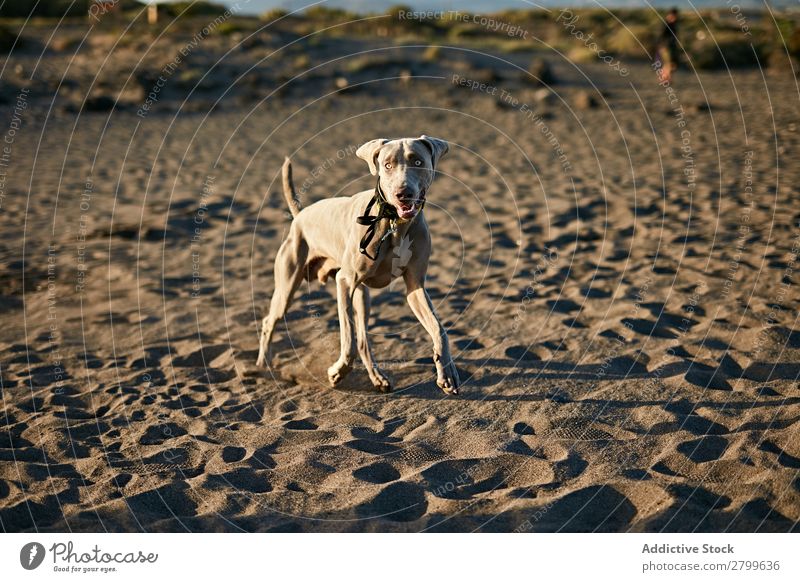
x: 417, y: 162
x: 387, y: 165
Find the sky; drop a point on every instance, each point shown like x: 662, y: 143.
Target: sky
x: 483, y: 6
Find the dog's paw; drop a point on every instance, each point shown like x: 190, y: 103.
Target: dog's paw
x: 447, y: 379
x: 337, y: 372
x: 264, y: 360
x: 380, y: 381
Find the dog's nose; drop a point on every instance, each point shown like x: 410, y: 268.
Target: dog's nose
x: 405, y: 194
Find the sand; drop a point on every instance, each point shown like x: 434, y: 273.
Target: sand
x: 623, y: 318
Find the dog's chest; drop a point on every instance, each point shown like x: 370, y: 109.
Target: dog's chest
x: 395, y: 254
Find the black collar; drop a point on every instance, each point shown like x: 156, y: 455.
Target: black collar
x: 385, y: 210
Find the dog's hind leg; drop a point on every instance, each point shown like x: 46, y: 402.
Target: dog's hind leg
x: 344, y: 294
x: 289, y: 266
x: 361, y: 303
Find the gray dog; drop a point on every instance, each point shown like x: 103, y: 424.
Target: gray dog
x: 329, y: 238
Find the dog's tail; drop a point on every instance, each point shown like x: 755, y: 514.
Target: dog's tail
x: 288, y: 188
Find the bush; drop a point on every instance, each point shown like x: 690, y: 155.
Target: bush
x: 431, y: 53
x: 192, y: 9
x: 228, y: 28
x: 395, y: 11
x: 301, y: 62
x: 273, y: 15
x: 778, y: 60
x: 595, y: 19
x: 189, y: 78
x: 328, y: 14
x: 7, y: 39
x: 540, y: 73
x: 67, y: 42
x: 633, y: 41
x: 638, y: 17
x: 581, y: 54
x: 726, y: 50
x: 792, y: 40
x: 465, y: 30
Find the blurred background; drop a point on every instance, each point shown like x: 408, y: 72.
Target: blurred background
x: 718, y: 35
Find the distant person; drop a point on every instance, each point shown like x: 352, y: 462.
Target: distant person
x: 667, y: 47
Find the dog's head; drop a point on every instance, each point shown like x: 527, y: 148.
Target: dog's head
x: 405, y: 168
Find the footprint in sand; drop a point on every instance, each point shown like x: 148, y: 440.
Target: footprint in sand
x: 702, y: 450
x: 521, y: 354
x: 784, y: 458
x: 252, y: 413
x: 157, y: 435
x: 300, y: 425
x: 705, y: 376
x: 396, y: 502
x: 165, y: 503
x: 204, y: 357
x: 593, y: 508
x: 377, y: 473
x: 372, y: 447
x: 233, y: 454
x: 245, y: 480
x: 262, y: 458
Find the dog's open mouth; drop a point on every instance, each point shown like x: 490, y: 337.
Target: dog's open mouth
x: 407, y: 209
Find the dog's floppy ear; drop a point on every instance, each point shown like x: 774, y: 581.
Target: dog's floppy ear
x: 437, y: 146
x: 369, y: 153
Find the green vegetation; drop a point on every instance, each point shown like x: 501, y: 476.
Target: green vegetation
x: 188, y: 9
x: 274, y: 14
x: 228, y: 28
x: 710, y: 39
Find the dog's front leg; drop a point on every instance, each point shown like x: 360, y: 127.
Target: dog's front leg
x: 420, y: 303
x: 361, y: 304
x: 344, y: 294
